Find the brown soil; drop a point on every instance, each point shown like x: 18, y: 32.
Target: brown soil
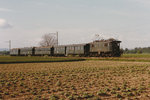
x: 92, y: 80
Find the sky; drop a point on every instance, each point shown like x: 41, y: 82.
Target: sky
x: 24, y: 22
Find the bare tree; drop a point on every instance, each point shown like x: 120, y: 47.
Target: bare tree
x: 48, y: 40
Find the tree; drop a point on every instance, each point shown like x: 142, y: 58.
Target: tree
x: 126, y: 50
x: 48, y: 40
x: 139, y: 51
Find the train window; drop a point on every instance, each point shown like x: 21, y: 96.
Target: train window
x: 78, y: 48
x: 105, y: 44
x: 92, y: 45
x: 110, y: 44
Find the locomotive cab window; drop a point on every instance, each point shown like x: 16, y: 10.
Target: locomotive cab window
x: 118, y: 44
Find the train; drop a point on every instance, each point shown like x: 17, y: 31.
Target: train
x: 98, y: 48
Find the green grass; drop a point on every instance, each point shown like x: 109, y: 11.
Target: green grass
x: 144, y: 55
x: 35, y: 59
x: 120, y: 59
x: 125, y: 57
x: 38, y: 59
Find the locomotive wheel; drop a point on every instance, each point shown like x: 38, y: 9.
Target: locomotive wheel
x: 110, y: 55
x: 102, y: 54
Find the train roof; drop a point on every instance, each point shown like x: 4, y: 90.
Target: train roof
x: 77, y: 44
x: 44, y: 47
x: 27, y: 48
x: 71, y: 45
x: 108, y: 40
x: 15, y: 48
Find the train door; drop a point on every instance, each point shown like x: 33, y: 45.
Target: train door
x: 33, y: 51
x: 52, y: 51
x: 87, y: 49
x: 66, y: 51
x: 18, y: 52
x: 116, y: 48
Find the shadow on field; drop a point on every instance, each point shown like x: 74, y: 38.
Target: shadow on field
x: 16, y: 62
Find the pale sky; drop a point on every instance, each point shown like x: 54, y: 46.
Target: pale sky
x: 25, y: 21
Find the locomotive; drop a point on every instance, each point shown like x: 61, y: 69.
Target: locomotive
x: 99, y: 48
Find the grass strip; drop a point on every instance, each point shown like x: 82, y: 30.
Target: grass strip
x: 10, y: 59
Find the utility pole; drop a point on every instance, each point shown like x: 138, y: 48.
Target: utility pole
x: 9, y: 45
x: 57, y: 38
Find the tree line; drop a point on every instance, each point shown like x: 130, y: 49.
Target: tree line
x: 137, y: 50
x: 4, y: 52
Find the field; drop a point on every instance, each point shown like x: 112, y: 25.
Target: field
x: 127, y: 77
